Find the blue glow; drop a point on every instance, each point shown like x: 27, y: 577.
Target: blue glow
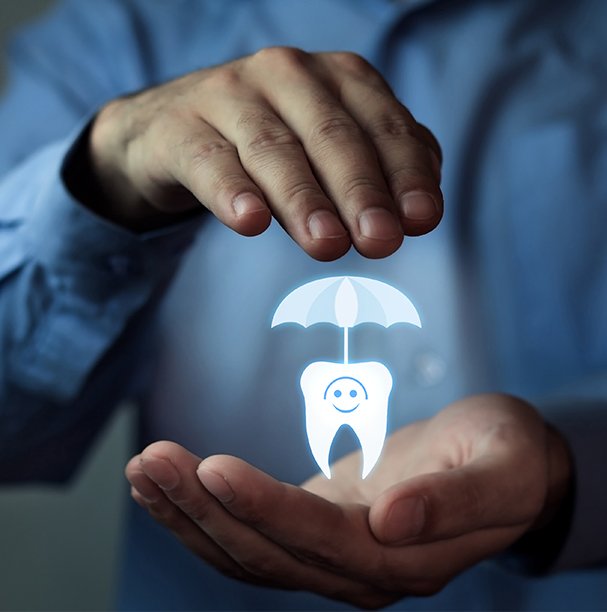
x: 346, y: 301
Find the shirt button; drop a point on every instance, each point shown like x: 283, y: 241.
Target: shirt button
x: 430, y: 368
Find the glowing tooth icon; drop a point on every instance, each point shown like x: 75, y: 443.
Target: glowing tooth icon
x: 350, y: 394
x: 356, y: 395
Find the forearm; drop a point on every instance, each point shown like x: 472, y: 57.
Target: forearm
x: 72, y: 289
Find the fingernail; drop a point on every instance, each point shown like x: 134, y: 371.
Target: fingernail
x: 247, y: 203
x: 162, y: 472
x: 405, y: 519
x: 324, y: 224
x: 379, y: 224
x: 418, y: 206
x: 216, y: 485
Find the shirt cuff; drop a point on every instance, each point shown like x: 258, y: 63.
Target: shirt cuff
x: 584, y: 426
x: 69, y: 239
x: 88, y: 278
x: 576, y: 537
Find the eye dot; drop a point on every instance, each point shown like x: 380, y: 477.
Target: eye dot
x: 337, y: 393
x: 353, y: 393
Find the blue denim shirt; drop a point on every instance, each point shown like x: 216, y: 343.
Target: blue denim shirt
x: 511, y: 289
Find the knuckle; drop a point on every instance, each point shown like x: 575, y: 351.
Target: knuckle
x: 253, y: 118
x: 268, y: 140
x: 280, y: 57
x: 226, y: 79
x: 337, y: 128
x: 406, y: 174
x: 202, y: 153
x: 301, y: 191
x: 360, y: 186
x: 354, y: 64
x: 391, y: 126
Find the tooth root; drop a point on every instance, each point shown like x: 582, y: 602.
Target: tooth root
x: 372, y: 443
x: 366, y: 412
x: 320, y: 445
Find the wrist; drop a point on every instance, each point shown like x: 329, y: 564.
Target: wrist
x: 93, y: 174
x: 113, y: 195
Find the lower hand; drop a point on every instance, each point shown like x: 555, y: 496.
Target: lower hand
x: 447, y: 493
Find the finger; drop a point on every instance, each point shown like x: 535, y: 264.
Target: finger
x: 146, y: 489
x: 408, y: 152
x: 150, y: 496
x: 492, y: 491
x: 303, y: 523
x: 314, y: 529
x: 436, y: 152
x: 274, y: 158
x: 207, y: 165
x: 341, y: 155
x: 259, y: 559
x: 273, y: 155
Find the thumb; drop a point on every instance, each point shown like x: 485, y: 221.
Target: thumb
x: 447, y: 504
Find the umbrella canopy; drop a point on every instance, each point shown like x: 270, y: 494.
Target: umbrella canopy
x: 346, y: 301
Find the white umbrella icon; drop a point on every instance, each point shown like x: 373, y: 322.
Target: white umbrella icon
x: 346, y: 301
x: 352, y: 394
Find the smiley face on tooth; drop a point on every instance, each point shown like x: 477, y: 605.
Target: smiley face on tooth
x: 346, y: 393
x: 356, y: 395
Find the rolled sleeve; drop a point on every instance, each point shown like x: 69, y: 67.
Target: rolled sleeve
x: 577, y: 535
x: 584, y: 426
x: 90, y: 275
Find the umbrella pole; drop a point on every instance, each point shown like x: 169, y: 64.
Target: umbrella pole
x: 345, y: 345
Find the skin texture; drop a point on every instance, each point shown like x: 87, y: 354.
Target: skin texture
x: 447, y: 492
x: 316, y: 140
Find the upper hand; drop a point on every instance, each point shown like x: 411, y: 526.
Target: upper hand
x: 317, y: 140
x: 447, y: 493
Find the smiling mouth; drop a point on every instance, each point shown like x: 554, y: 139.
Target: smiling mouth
x: 342, y: 410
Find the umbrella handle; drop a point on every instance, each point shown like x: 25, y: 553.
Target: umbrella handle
x: 346, y: 345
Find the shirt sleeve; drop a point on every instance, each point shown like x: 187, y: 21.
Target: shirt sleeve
x: 577, y: 536
x: 584, y: 425
x: 74, y: 289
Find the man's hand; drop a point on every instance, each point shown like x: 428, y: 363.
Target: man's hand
x: 316, y: 140
x: 448, y: 492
